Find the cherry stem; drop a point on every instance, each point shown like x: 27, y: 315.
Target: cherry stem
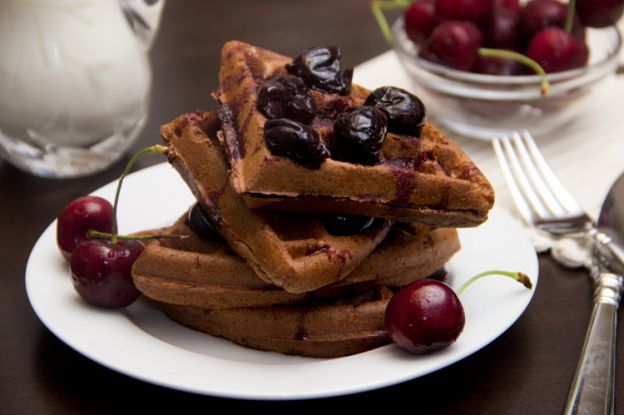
x: 523, y: 59
x: 95, y: 234
x: 521, y: 277
x: 569, y: 21
x: 155, y: 149
x: 378, y: 6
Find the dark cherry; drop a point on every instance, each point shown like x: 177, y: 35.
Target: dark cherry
x: 493, y: 65
x: 101, y: 272
x: 475, y: 11
x: 346, y: 224
x: 556, y: 50
x: 82, y: 214
x: 599, y: 13
x: 424, y: 316
x: 502, y: 30
x: 540, y: 14
x: 513, y: 5
x: 359, y: 135
x: 420, y: 20
x: 439, y: 275
x: 405, y: 112
x: 454, y: 44
x: 286, y: 96
x: 319, y: 67
x: 201, y: 224
x: 296, y: 141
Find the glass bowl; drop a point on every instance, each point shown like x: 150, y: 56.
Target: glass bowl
x: 483, y: 106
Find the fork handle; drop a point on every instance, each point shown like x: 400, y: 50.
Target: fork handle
x: 593, y: 387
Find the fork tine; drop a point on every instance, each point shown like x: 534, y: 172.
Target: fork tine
x: 536, y: 178
x: 526, y: 212
x: 555, y: 185
x: 539, y: 210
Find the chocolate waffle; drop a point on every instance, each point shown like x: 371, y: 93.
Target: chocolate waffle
x: 427, y: 178
x: 331, y: 329
x: 294, y: 252
x: 195, y: 271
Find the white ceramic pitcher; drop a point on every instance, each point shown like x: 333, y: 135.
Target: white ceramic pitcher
x: 74, y: 81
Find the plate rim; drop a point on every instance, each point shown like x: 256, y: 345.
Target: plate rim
x: 49, y: 235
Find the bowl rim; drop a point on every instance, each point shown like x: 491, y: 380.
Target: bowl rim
x: 400, y: 36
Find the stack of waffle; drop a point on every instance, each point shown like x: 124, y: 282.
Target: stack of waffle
x: 280, y: 280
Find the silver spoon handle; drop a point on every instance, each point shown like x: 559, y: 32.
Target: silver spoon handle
x: 593, y: 387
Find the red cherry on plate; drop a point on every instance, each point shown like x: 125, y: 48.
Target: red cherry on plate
x: 101, y: 272
x: 424, y: 316
x: 454, y: 44
x: 556, y: 50
x: 599, y: 13
x: 82, y: 214
x: 420, y: 20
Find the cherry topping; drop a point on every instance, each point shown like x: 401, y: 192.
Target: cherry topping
x: 556, y: 50
x: 405, y: 112
x: 319, y: 67
x: 420, y: 20
x: 454, y: 44
x: 346, y: 224
x: 359, y: 135
x: 82, y: 214
x: 296, y: 141
x: 424, y: 316
x: 599, y: 13
x: 101, y: 272
x: 286, y: 96
x: 475, y: 11
x: 201, y: 224
x: 439, y: 275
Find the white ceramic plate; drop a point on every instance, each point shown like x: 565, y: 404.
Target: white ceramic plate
x: 141, y: 342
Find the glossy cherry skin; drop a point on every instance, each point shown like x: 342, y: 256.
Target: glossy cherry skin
x: 454, y: 44
x: 319, y: 67
x: 101, y: 272
x: 286, y: 96
x: 359, y: 135
x: 405, y: 112
x: 475, y: 11
x: 501, y: 31
x: 80, y: 215
x: 201, y: 224
x: 599, y: 13
x: 556, y: 50
x: 541, y: 14
x: 424, y: 316
x: 346, y: 224
x: 296, y: 141
x: 420, y: 20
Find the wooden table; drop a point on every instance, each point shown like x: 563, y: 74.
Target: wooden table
x: 526, y: 371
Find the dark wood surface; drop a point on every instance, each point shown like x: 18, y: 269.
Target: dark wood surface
x: 526, y: 371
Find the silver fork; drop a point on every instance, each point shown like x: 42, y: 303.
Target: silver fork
x: 544, y: 203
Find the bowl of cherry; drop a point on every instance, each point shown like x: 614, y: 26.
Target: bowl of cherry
x: 488, y: 67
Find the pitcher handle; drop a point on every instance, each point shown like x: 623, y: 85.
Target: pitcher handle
x: 143, y: 16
